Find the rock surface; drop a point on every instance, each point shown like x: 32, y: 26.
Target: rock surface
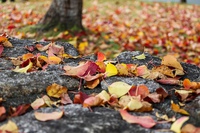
x: 17, y: 88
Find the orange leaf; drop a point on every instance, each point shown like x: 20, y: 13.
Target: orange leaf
x: 56, y: 90
x: 27, y: 56
x: 141, y: 90
x: 176, y: 108
x: 145, y: 121
x: 48, y: 116
x: 54, y: 60
x: 100, y: 56
x: 92, y: 84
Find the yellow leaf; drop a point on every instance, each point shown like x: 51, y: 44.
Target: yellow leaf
x: 104, y: 96
x: 119, y: 88
x: 24, y: 69
x: 122, y: 69
x: 54, y: 60
x: 56, y: 90
x: 9, y: 127
x: 176, y: 126
x: 139, y: 57
x: 134, y: 104
x: 82, y: 46
x: 111, y: 70
x: 7, y: 44
x: 176, y: 108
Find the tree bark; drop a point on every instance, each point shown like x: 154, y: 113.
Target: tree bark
x: 65, y: 14
x: 183, y: 1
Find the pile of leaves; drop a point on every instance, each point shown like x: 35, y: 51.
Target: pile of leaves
x: 119, y: 95
x: 157, y: 28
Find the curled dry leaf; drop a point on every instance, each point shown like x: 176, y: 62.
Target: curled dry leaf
x: 176, y: 126
x: 183, y: 94
x: 56, y: 90
x: 145, y: 121
x: 85, y: 71
x: 48, y: 116
x: 9, y: 127
x: 171, y: 61
x: 118, y: 88
x: 24, y: 69
x: 92, y: 84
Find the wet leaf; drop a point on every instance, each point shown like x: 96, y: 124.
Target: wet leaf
x: 176, y: 126
x: 56, y: 90
x: 118, y: 88
x: 145, y: 121
x: 48, y: 116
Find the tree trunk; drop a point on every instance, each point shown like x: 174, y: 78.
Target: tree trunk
x: 183, y: 1
x: 64, y: 14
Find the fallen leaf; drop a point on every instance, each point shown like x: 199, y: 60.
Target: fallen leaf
x: 176, y: 126
x: 65, y: 99
x: 9, y: 127
x: 142, y: 71
x: 189, y: 128
x: 80, y: 97
x: 100, y: 57
x: 92, y: 84
x: 183, y: 94
x: 24, y: 69
x: 48, y: 116
x: 21, y: 109
x: 176, y: 108
x: 119, y: 88
x: 139, y: 57
x: 122, y: 69
x: 171, y: 61
x: 56, y: 90
x: 145, y: 121
x: 134, y: 104
x: 2, y: 110
x: 141, y: 90
x: 92, y: 101
x: 37, y: 103
x: 54, y: 60
x: 111, y: 70
x: 191, y: 85
x: 104, y: 96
